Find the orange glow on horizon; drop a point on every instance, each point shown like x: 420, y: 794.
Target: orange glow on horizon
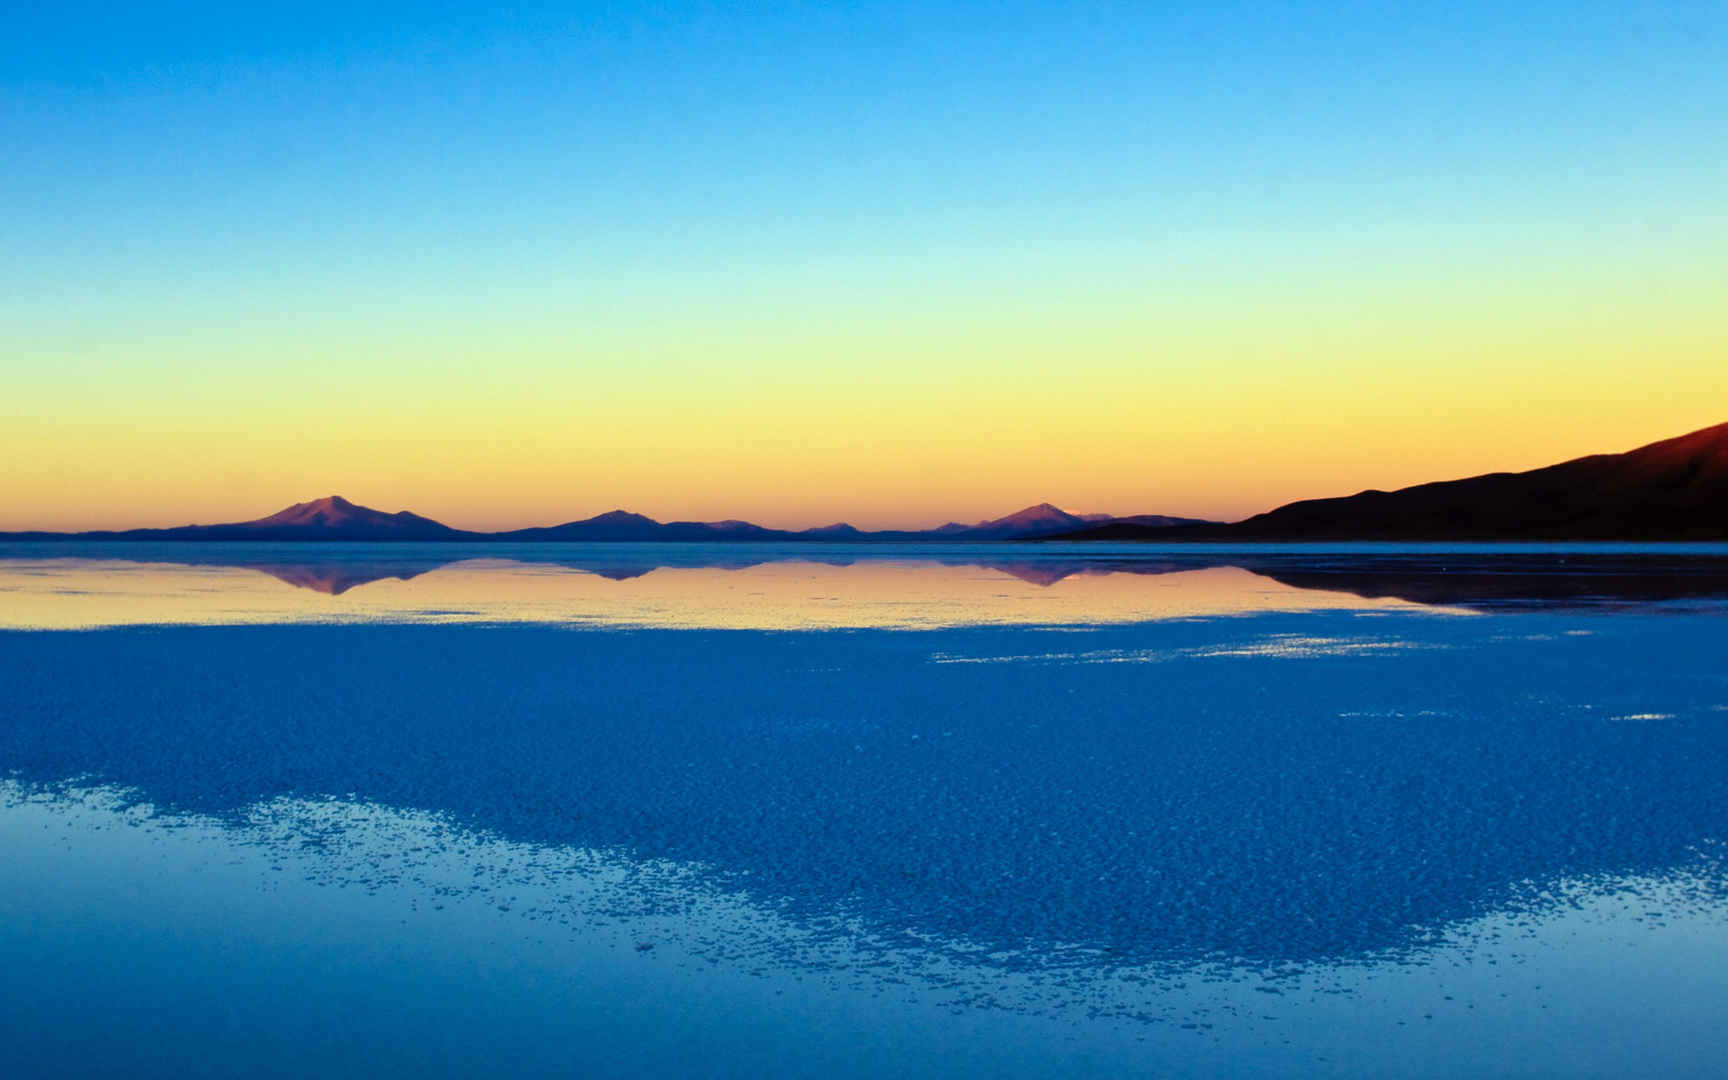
x: 1219, y: 475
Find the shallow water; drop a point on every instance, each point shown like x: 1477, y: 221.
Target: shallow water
x: 806, y: 586
x: 738, y: 811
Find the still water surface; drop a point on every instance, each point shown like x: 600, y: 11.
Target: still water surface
x: 739, y: 811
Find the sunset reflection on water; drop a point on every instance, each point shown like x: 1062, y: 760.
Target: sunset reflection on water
x: 791, y: 593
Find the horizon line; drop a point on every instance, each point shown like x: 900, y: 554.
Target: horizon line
x: 1088, y: 518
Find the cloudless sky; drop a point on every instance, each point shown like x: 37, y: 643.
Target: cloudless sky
x: 797, y: 262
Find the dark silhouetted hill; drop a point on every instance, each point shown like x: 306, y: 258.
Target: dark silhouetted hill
x: 1676, y: 489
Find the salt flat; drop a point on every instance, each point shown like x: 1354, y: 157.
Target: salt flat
x: 1358, y: 835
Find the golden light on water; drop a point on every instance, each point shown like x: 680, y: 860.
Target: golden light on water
x: 784, y: 594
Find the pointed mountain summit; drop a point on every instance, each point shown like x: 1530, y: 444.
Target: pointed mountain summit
x: 1043, y: 517
x: 620, y: 517
x: 330, y: 510
x: 329, y: 518
x: 613, y: 525
x: 840, y: 530
x: 1047, y: 519
x: 622, y: 526
x: 335, y: 513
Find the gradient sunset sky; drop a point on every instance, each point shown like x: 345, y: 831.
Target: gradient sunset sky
x: 891, y: 263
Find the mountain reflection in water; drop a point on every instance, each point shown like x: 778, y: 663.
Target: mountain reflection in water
x: 787, y: 586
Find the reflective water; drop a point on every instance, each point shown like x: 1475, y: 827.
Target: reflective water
x: 766, y: 586
x: 1028, y: 812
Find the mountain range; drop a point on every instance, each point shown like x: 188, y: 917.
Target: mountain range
x: 334, y: 518
x: 1676, y: 489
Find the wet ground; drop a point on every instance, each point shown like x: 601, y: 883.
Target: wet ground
x: 1007, y: 810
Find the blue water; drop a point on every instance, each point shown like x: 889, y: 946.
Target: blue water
x: 1359, y: 813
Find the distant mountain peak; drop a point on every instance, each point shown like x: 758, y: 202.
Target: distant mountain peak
x: 333, y: 513
x: 1042, y: 509
x: 329, y: 504
x: 1036, y: 515
x: 330, y: 510
x: 622, y: 517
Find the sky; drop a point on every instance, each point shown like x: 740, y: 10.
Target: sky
x: 802, y: 262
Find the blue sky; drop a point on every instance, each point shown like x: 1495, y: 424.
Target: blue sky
x: 625, y: 208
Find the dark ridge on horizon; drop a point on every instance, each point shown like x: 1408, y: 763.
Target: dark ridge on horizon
x: 1675, y: 489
